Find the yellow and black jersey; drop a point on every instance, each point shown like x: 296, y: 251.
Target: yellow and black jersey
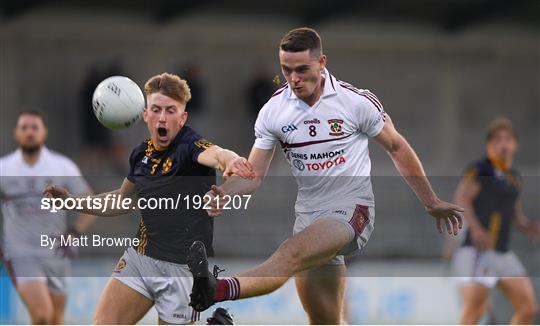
x: 495, y: 204
x: 171, y: 175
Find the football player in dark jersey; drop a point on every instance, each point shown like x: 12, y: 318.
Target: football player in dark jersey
x: 174, y: 161
x: 490, y: 194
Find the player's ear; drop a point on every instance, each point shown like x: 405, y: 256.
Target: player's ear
x: 145, y: 114
x: 322, y: 62
x: 183, y: 119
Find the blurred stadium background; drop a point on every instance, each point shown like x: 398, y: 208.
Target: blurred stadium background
x: 443, y: 69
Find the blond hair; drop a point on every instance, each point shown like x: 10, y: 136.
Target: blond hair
x: 169, y: 85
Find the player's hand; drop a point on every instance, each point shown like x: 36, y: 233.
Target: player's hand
x: 55, y: 191
x: 446, y: 213
x: 240, y: 167
x: 214, y: 200
x: 480, y: 238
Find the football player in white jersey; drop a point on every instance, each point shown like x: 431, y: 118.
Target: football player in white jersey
x: 37, y: 272
x: 322, y: 126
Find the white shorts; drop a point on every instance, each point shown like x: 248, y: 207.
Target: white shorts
x: 53, y: 271
x: 471, y: 265
x: 167, y: 284
x: 359, y: 220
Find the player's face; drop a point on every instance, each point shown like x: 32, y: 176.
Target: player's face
x: 503, y: 145
x: 164, y: 117
x: 303, y: 72
x: 30, y: 133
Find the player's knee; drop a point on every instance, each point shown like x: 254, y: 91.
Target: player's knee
x: 472, y: 314
x: 42, y: 316
x: 535, y: 310
x: 99, y: 320
x: 104, y: 319
x: 58, y: 319
x: 325, y: 317
x: 528, y: 311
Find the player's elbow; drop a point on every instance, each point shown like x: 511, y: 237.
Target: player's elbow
x: 397, y: 146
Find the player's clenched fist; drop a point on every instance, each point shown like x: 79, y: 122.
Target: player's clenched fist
x: 213, y: 201
x: 56, y: 191
x: 240, y: 167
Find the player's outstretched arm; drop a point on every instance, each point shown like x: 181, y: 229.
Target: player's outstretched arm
x: 410, y: 167
x: 227, y: 161
x: 528, y: 227
x: 259, y: 160
x: 99, y: 205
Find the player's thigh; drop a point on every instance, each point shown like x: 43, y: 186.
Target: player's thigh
x: 120, y: 304
x: 475, y: 296
x: 59, y: 304
x: 35, y: 295
x: 321, y: 291
x: 518, y: 290
x: 317, y: 243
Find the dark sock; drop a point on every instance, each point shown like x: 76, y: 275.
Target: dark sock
x: 228, y: 288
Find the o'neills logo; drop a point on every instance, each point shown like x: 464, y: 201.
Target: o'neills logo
x: 312, y: 122
x: 336, y: 127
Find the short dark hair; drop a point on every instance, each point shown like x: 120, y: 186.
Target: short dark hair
x: 34, y: 112
x: 500, y: 124
x: 302, y: 39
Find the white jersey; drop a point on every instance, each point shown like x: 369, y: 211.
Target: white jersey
x: 326, y: 145
x: 21, y: 187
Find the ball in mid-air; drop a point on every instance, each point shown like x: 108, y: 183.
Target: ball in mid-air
x: 118, y: 102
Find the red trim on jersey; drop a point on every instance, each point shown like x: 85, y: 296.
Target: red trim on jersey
x: 280, y: 90
x: 195, y: 315
x: 332, y: 82
x: 313, y: 142
x: 374, y: 98
x: 365, y: 94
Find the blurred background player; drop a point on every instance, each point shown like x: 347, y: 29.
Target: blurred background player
x: 175, y: 160
x: 38, y: 273
x: 323, y: 126
x: 490, y: 194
